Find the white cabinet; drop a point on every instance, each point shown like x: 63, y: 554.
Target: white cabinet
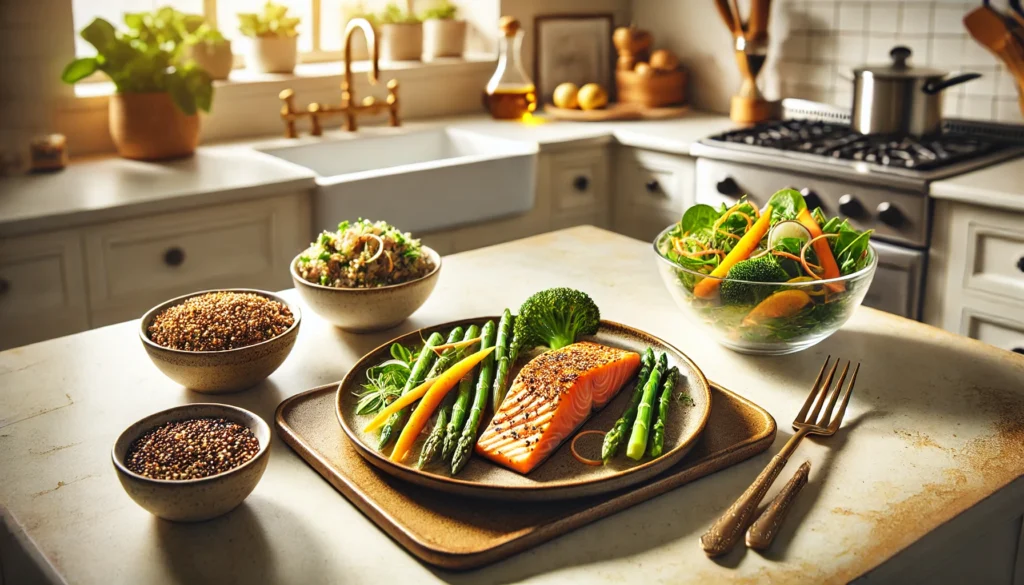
x: 577, y: 187
x: 976, y: 274
x: 138, y: 263
x: 42, y: 288
x: 652, y: 190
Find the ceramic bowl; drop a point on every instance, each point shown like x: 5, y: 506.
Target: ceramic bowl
x: 195, y: 499
x: 217, y: 372
x: 362, y: 310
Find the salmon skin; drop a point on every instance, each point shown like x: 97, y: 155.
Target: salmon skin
x: 550, y: 398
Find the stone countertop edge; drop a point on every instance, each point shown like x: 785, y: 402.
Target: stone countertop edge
x: 997, y: 186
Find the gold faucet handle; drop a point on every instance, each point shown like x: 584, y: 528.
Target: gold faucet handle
x: 288, y: 97
x: 392, y: 101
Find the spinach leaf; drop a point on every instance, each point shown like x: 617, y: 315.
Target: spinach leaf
x: 819, y: 216
x: 698, y: 217
x: 786, y: 204
x: 851, y: 247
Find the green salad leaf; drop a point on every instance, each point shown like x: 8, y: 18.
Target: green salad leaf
x: 786, y: 204
x: 699, y: 217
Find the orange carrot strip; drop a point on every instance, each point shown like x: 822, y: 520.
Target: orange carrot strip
x: 748, y: 243
x: 803, y: 254
x: 400, y: 403
x: 785, y: 254
x: 823, y: 251
x: 432, y: 399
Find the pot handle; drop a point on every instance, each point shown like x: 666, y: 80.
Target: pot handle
x: 932, y: 88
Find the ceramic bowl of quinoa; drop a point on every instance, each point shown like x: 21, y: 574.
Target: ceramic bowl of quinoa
x: 221, y: 340
x: 367, y: 276
x: 192, y: 462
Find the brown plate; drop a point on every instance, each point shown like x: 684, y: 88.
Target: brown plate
x: 561, y: 476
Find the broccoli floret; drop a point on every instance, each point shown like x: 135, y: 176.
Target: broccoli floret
x: 556, y: 318
x: 762, y: 269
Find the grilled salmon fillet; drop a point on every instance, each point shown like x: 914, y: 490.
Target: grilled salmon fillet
x: 552, y: 396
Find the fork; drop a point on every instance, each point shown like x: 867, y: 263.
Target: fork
x: 728, y: 529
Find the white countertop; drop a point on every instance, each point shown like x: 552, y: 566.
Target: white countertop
x: 114, y: 188
x: 1000, y: 186
x: 934, y: 427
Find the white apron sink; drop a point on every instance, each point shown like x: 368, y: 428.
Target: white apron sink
x: 419, y: 181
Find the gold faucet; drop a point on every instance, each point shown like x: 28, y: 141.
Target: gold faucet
x: 348, y: 106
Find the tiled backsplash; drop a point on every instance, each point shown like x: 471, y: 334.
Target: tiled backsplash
x: 824, y: 39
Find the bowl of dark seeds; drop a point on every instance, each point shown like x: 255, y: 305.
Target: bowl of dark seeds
x: 192, y: 462
x: 220, y: 341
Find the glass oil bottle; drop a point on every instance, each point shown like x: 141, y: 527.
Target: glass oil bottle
x: 510, y: 94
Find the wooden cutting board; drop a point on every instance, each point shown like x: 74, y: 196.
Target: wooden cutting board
x: 464, y: 533
x: 616, y: 111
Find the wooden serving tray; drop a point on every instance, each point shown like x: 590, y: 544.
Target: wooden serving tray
x: 616, y: 111
x: 464, y: 533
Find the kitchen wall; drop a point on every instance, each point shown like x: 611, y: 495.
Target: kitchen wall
x: 815, y: 43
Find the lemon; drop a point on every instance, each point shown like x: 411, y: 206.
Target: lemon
x: 565, y: 95
x: 592, y: 97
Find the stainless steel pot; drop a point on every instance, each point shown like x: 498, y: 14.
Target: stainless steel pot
x: 899, y: 98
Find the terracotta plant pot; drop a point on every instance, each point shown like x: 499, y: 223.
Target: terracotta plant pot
x: 216, y: 59
x: 443, y: 38
x: 271, y: 54
x: 148, y: 126
x: 401, y: 42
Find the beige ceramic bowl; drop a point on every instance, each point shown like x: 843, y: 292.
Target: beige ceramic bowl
x: 217, y: 372
x: 362, y: 310
x: 195, y: 499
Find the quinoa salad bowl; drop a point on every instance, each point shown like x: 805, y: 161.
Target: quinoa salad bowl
x: 190, y: 496
x: 367, y: 276
x: 220, y: 341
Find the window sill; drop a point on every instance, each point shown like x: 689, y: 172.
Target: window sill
x: 94, y: 94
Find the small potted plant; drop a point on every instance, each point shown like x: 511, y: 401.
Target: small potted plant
x: 153, y: 115
x: 401, y: 34
x: 272, y: 45
x: 210, y: 50
x: 443, y: 34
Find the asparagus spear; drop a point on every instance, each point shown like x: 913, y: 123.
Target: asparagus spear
x: 464, y: 447
x: 416, y: 377
x: 461, y: 408
x: 501, y: 358
x: 613, y: 439
x: 658, y: 439
x: 433, y: 442
x: 638, y: 438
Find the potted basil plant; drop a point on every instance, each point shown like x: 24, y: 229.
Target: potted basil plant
x: 272, y: 39
x: 210, y: 50
x: 153, y: 114
x: 401, y: 34
x: 443, y: 34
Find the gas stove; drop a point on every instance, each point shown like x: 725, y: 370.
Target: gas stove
x: 879, y: 183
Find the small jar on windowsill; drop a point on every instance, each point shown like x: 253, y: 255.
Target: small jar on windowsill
x: 48, y: 153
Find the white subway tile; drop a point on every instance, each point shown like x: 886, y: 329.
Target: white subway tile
x: 947, y: 51
x: 1008, y: 110
x: 822, y: 48
x: 978, y: 108
x: 883, y: 18
x: 920, y: 49
x: 916, y: 19
x: 852, y: 17
x: 794, y: 47
x: 1006, y: 84
x: 852, y: 49
x: 950, y: 106
x: 879, y: 47
x: 821, y: 15
x: 948, y: 19
x: 976, y: 55
x: 984, y: 86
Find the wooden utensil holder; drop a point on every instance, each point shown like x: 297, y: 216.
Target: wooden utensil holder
x: 655, y: 90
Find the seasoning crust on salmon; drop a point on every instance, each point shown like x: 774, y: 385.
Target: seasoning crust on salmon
x: 551, y: 397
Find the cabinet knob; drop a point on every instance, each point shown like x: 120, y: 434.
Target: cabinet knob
x: 728, y: 187
x: 811, y: 198
x: 850, y: 206
x: 890, y: 214
x: 652, y: 186
x: 5, y: 286
x: 1019, y: 350
x: 1020, y: 263
x: 581, y: 183
x: 174, y: 256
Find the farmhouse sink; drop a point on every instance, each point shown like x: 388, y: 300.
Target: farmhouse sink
x: 420, y: 181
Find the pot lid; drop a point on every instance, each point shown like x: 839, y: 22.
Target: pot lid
x: 899, y: 68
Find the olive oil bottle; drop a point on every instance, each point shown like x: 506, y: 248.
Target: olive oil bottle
x: 510, y: 94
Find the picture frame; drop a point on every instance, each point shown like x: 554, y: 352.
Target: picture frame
x: 573, y: 48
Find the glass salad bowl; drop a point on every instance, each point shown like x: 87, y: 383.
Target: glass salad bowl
x: 766, y: 318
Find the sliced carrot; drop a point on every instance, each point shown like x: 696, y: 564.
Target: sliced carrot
x: 784, y: 303
x: 821, y: 248
x: 748, y: 243
x: 432, y: 399
x: 402, y: 401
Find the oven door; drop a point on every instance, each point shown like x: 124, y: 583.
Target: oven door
x: 898, y: 280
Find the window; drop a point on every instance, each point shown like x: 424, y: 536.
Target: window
x: 320, y: 29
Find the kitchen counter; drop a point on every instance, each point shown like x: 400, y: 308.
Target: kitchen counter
x: 115, y: 188
x: 997, y: 186
x: 931, y: 442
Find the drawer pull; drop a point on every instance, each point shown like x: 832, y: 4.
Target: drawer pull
x: 1019, y: 350
x: 652, y: 186
x: 580, y: 183
x: 174, y: 257
x: 1020, y: 263
x: 5, y: 286
x: 728, y: 187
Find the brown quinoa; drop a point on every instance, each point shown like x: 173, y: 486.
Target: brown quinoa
x: 220, y: 321
x: 191, y: 449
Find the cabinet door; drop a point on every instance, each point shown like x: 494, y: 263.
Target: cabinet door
x: 998, y: 330
x: 42, y: 288
x: 138, y: 263
x: 578, y: 184
x: 995, y: 254
x: 653, y: 189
